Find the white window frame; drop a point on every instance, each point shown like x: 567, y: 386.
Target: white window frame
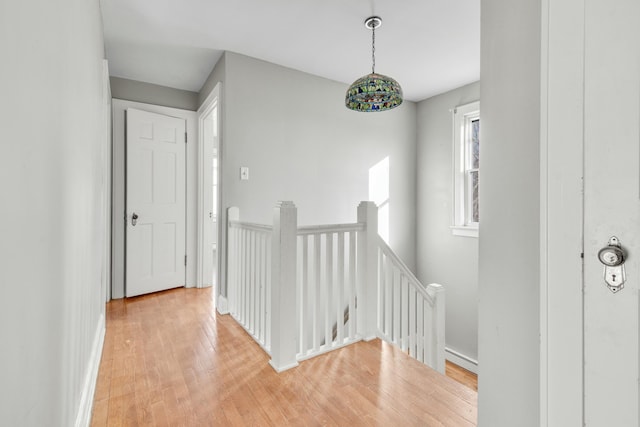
x: 463, y: 224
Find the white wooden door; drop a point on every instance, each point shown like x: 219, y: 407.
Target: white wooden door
x: 210, y: 183
x: 611, y: 207
x: 155, y: 202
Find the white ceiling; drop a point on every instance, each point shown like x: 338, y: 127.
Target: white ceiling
x: 429, y: 46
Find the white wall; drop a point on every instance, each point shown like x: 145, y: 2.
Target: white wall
x: 148, y: 93
x: 216, y: 76
x: 442, y: 257
x: 300, y: 143
x: 52, y: 222
x: 119, y: 151
x: 509, y: 252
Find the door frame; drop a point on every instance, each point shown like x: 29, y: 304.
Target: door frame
x: 561, y: 213
x: 119, y: 185
x: 107, y: 181
x: 213, y: 100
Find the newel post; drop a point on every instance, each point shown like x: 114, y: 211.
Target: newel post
x: 437, y: 292
x: 283, y: 287
x: 368, y: 271
x: 226, y: 303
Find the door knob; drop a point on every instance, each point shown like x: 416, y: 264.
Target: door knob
x: 613, y: 257
x: 134, y: 219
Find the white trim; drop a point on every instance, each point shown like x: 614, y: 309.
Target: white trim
x: 461, y: 360
x: 212, y: 101
x: 465, y: 230
x: 222, y: 305
x: 561, y: 210
x: 106, y: 187
x: 83, y: 417
x: 118, y: 189
x: 461, y: 115
x: 544, y: 207
x: 283, y: 368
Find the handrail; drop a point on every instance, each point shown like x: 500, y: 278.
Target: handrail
x: 330, y: 228
x: 405, y: 270
x: 348, y: 274
x: 251, y: 226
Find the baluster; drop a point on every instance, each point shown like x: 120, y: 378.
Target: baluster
x: 388, y: 278
x: 412, y: 321
x: 340, y: 294
x: 260, y: 287
x: 304, y: 296
x: 404, y: 313
x: 231, y: 261
x: 263, y: 284
x: 396, y: 307
x: 252, y: 281
x: 420, y: 332
x: 238, y: 273
x: 247, y: 293
x: 317, y: 324
x: 353, y: 315
x: 328, y: 285
x: 267, y: 291
x: 241, y: 299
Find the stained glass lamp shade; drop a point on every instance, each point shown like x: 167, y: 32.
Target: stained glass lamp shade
x: 373, y: 92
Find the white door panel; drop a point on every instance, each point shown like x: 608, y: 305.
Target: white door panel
x: 156, y: 195
x: 210, y: 185
x: 611, y: 207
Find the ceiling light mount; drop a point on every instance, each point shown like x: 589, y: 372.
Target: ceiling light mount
x: 373, y: 92
x: 372, y: 22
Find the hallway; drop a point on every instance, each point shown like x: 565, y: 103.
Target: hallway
x: 170, y: 359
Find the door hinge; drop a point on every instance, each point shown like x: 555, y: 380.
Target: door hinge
x: 185, y: 260
x: 185, y: 137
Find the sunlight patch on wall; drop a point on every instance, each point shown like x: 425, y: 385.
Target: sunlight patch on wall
x: 379, y: 194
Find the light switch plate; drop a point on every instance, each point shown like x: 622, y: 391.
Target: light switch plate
x: 244, y: 173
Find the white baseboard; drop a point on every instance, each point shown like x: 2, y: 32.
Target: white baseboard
x: 286, y: 367
x: 223, y: 305
x: 461, y: 360
x: 83, y: 419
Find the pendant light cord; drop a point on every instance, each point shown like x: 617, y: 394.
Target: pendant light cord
x: 373, y: 50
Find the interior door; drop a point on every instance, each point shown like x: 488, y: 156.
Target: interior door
x: 611, y: 207
x: 210, y: 229
x: 155, y: 202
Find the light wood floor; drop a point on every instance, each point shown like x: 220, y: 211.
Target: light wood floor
x: 170, y: 359
x: 461, y: 375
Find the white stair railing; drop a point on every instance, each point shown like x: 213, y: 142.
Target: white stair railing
x: 326, y: 288
x: 301, y: 292
x: 249, y: 270
x: 410, y: 315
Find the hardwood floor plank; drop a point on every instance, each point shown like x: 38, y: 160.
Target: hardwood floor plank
x: 462, y: 375
x: 170, y: 359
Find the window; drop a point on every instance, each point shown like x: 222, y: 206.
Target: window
x: 466, y: 152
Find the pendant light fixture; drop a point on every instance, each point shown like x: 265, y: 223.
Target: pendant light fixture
x: 373, y: 92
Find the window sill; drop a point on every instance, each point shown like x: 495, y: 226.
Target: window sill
x: 464, y: 230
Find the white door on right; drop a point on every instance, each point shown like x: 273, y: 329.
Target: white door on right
x: 210, y: 197
x: 611, y: 208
